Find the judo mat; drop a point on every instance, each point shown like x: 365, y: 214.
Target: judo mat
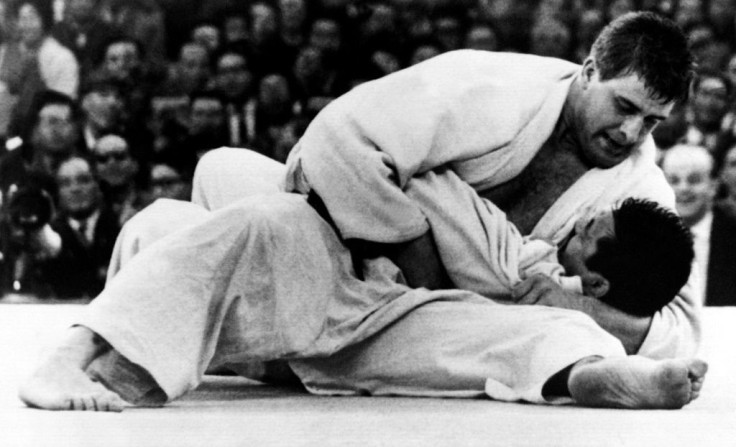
x: 233, y: 411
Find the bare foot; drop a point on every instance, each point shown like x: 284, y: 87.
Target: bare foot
x: 60, y: 382
x: 637, y: 382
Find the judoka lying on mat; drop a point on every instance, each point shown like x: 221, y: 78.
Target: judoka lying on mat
x: 273, y: 279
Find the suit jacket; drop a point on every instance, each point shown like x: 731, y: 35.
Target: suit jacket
x: 721, y: 282
x: 80, y: 269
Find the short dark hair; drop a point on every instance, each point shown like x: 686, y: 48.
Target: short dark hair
x: 651, y: 46
x: 647, y: 261
x: 41, y: 99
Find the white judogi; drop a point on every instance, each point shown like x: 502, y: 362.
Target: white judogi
x: 483, y: 115
x: 266, y: 278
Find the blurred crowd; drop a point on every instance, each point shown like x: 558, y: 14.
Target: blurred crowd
x: 106, y: 105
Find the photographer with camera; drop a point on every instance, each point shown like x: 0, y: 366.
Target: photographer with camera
x: 26, y: 240
x: 62, y: 253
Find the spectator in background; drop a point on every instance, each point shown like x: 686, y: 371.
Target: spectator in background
x: 51, y: 135
x: 423, y: 51
x: 102, y: 108
x: 551, y: 37
x: 269, y: 113
x: 721, y: 14
x: 325, y: 33
x: 235, y: 28
x: 294, y: 19
x: 233, y: 81
x: 35, y: 61
x: 206, y: 129
x: 449, y: 30
x: 141, y: 21
x: 119, y: 176
x: 170, y: 180
x: 315, y: 82
x: 709, y: 103
x: 589, y: 23
x: 710, y: 52
x: 87, y: 229
x: 84, y: 32
x: 482, y: 36
x: 207, y: 34
x: 617, y: 8
x: 689, y: 170
x: 189, y: 73
x: 268, y: 53
x: 688, y: 12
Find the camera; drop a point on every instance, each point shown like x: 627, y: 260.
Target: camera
x: 29, y: 208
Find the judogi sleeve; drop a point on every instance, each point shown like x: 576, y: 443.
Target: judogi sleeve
x: 360, y: 151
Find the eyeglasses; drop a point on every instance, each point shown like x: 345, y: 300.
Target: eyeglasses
x: 117, y: 156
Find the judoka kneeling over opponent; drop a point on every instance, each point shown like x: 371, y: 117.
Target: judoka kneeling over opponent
x: 345, y: 280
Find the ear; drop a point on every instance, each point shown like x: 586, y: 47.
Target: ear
x: 589, y: 69
x: 594, y: 284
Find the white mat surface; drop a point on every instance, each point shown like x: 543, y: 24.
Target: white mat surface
x: 229, y: 411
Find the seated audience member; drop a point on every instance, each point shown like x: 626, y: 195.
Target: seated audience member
x: 25, y: 240
x: 123, y: 60
x: 233, y: 80
x: 634, y: 256
x: 689, y: 169
x: 189, y: 73
x: 709, y: 104
x: 482, y: 36
x: 202, y: 129
x: 119, y: 176
x: 315, y: 82
x: 141, y: 21
x: 35, y: 61
x: 87, y: 229
x: 50, y: 136
x: 269, y: 113
x: 84, y: 32
x: 170, y: 180
x: 102, y: 108
x: 207, y: 34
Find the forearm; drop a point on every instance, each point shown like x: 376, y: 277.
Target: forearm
x: 418, y: 260
x: 630, y: 330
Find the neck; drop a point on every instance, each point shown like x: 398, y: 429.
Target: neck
x: 694, y: 219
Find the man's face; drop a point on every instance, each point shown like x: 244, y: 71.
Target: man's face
x: 616, y: 116
x: 167, y: 183
x: 481, y: 38
x: 689, y: 175
x: 207, y: 114
x: 728, y: 172
x: 103, y: 109
x: 78, y: 189
x: 121, y: 59
x: 325, y: 35
x: 29, y: 24
x: 113, y: 161
x: 710, y: 103
x: 233, y: 77
x: 56, y: 131
x: 583, y: 243
x: 193, y: 60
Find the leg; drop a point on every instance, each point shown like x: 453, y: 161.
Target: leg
x: 255, y: 281
x: 510, y: 353
x: 60, y: 382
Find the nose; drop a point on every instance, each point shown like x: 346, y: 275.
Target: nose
x: 631, y: 130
